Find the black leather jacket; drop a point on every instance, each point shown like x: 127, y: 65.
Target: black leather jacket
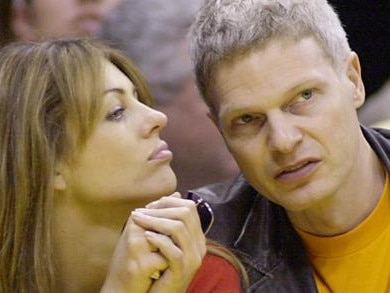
x: 262, y: 235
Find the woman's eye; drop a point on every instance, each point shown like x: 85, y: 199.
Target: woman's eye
x: 306, y: 95
x: 116, y: 115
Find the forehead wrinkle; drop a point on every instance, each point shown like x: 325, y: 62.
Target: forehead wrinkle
x: 287, y: 79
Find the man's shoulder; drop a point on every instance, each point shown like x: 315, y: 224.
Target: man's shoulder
x: 225, y: 192
x: 231, y: 203
x: 379, y: 140
x: 261, y: 236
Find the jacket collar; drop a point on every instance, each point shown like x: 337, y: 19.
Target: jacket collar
x: 261, y: 232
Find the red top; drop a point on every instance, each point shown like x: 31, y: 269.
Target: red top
x: 216, y: 275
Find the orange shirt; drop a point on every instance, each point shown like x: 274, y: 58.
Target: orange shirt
x: 216, y: 275
x: 357, y: 261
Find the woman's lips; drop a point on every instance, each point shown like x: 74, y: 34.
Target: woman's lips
x: 161, y: 153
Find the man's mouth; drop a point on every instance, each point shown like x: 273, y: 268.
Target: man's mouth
x: 296, y: 171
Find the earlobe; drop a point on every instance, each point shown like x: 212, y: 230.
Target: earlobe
x: 214, y: 119
x: 59, y: 181
x: 355, y: 76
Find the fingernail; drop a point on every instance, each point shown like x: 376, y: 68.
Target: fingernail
x: 151, y: 205
x: 150, y: 234
x: 136, y: 214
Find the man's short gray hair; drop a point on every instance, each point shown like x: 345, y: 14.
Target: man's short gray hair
x: 225, y: 29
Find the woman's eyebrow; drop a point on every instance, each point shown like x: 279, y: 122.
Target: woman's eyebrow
x: 115, y: 90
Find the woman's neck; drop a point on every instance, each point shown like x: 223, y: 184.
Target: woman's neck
x: 85, y: 238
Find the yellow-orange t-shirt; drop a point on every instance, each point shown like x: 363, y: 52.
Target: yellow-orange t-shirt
x: 357, y: 261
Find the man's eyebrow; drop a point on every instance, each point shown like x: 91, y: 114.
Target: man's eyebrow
x: 307, y: 82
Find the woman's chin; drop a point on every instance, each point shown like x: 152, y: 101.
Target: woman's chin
x: 169, y: 186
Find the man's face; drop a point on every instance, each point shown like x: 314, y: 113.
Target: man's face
x: 290, y: 121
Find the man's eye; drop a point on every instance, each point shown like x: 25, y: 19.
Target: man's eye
x: 249, y: 119
x: 116, y: 115
x: 244, y: 119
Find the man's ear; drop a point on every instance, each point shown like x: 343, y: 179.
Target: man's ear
x: 355, y: 76
x: 21, y: 22
x: 214, y: 119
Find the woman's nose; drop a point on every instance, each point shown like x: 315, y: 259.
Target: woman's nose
x: 155, y: 121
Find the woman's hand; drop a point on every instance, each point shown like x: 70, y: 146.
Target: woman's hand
x: 133, y: 262
x: 165, y: 237
x: 173, y: 227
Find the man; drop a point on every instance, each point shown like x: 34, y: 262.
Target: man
x: 154, y: 34
x: 311, y: 212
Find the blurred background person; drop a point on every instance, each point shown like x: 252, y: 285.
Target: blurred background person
x: 367, y: 23
x: 6, y: 34
x: 154, y: 34
x: 31, y: 20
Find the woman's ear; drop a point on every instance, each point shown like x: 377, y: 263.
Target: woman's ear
x: 59, y: 179
x: 355, y: 76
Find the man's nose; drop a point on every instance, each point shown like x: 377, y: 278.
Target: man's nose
x: 284, y: 134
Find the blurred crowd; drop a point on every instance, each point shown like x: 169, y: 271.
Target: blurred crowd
x: 154, y: 34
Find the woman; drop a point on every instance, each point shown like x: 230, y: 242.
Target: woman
x: 81, y: 149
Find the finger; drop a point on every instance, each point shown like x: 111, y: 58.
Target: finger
x: 177, y: 260
x: 156, y: 262
x: 186, y: 215
x: 134, y: 235
x: 180, y: 227
x: 173, y: 200
x: 165, y: 226
x: 191, y: 244
x: 133, y: 263
x: 144, y: 256
x: 204, y: 213
x: 175, y: 194
x: 182, y: 267
x: 182, y: 213
x: 167, y: 248
x: 186, y: 212
x: 177, y: 209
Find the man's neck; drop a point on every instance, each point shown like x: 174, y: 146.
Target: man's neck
x: 351, y: 204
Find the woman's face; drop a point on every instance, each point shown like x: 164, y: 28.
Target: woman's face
x: 124, y: 159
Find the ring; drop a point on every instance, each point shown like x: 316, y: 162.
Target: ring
x: 156, y: 275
